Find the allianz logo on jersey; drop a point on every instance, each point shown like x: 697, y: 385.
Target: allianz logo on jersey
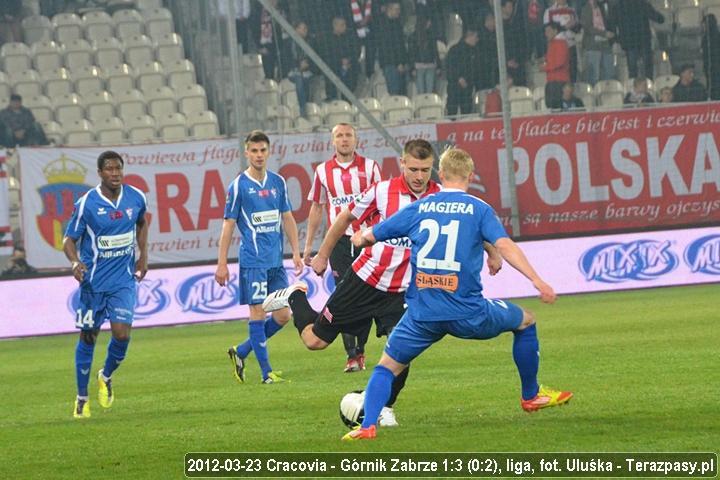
x: 105, y: 242
x: 265, y: 217
x: 616, y: 262
x: 201, y: 294
x: 398, y: 242
x: 703, y: 255
x: 342, y: 201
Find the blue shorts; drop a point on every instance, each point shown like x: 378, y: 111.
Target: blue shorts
x: 411, y: 337
x: 96, y: 307
x: 256, y: 283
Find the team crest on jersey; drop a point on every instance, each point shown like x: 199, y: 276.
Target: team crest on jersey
x: 129, y: 212
x: 65, y: 185
x: 273, y: 191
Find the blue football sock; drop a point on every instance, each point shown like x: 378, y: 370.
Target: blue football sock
x: 271, y: 328
x: 526, y: 353
x: 377, y: 394
x: 115, y: 354
x: 259, y: 345
x: 83, y: 363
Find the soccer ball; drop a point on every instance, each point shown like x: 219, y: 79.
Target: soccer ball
x: 352, y: 412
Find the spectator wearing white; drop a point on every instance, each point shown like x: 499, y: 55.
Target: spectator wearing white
x: 566, y: 16
x: 598, y: 37
x: 640, y: 94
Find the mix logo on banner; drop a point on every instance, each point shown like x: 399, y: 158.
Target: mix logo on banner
x: 703, y: 255
x: 65, y: 184
x: 616, y: 262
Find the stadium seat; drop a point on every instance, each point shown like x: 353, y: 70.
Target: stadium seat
x: 130, y: 103
x: 608, y: 86
x: 140, y: 128
x: 110, y: 131
x: 150, y: 76
x: 99, y: 105
x: 428, y: 106
x: 318, y: 93
x: 79, y: 132
x: 161, y: 101
x: 68, y: 108
x: 398, y: 109
x: 169, y: 48
x: 5, y: 88
x: 36, y: 28
x: 148, y: 4
x: 609, y: 93
x: 40, y: 106
x: 47, y: 55
x: 54, y: 132
x: 172, y: 127
x: 78, y: 54
x: 191, y: 99
x: 88, y: 79
x: 180, y: 73
x: 98, y: 24
x: 120, y: 78
x: 57, y: 82
x: 337, y: 111
x: 128, y: 23
x: 278, y: 118
x: 584, y: 91
x: 15, y: 57
x: 68, y: 27
x: 375, y: 108
x: 521, y: 100
x: 454, y: 29
x: 252, y: 68
x: 158, y: 22
x: 313, y: 114
x: 26, y: 83
x: 108, y: 52
x: 267, y: 94
x: 688, y: 20
x: 378, y: 86
x: 203, y: 125
x: 630, y: 85
x: 301, y: 125
x: 665, y: 81
x: 139, y: 49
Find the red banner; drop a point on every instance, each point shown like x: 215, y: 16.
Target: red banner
x: 601, y: 171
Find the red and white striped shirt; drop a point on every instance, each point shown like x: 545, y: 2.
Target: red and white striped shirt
x: 386, y: 265
x: 341, y: 184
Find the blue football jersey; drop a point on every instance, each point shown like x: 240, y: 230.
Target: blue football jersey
x: 447, y: 231
x: 106, y: 234
x: 257, y: 207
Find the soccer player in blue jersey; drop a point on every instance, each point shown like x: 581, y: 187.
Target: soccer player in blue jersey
x: 257, y: 202
x: 106, y: 225
x: 448, y: 231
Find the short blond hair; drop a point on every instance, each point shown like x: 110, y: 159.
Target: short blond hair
x: 343, y: 124
x: 456, y: 164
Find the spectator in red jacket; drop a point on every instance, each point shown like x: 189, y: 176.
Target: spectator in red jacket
x: 557, y: 66
x: 493, y: 100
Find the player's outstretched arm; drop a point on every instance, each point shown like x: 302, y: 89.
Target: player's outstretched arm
x: 337, y: 230
x: 494, y: 260
x: 363, y: 238
x: 291, y: 230
x: 313, y: 223
x: 70, y: 249
x: 515, y: 257
x: 141, y: 265
x: 222, y: 276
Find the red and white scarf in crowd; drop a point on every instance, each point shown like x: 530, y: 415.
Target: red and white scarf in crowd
x: 360, y: 17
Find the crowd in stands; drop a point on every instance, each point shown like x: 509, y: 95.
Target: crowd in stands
x: 571, y: 40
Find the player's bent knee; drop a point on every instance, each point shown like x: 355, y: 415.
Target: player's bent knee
x: 89, y: 337
x: 528, y: 320
x: 282, y: 316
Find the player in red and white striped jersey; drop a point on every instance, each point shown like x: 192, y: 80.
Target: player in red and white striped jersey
x: 337, y: 183
x: 374, y: 289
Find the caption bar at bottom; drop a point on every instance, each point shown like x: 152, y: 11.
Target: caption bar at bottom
x: 460, y: 464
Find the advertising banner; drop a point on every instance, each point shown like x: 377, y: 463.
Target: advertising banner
x: 185, y: 185
x: 190, y: 294
x: 6, y: 242
x: 600, y: 171
x: 170, y: 296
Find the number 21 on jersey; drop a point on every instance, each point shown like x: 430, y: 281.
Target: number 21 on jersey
x: 449, y: 230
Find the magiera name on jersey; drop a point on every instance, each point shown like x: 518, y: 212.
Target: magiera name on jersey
x: 447, y: 207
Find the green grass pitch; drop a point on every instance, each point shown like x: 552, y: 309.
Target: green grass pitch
x: 644, y: 367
